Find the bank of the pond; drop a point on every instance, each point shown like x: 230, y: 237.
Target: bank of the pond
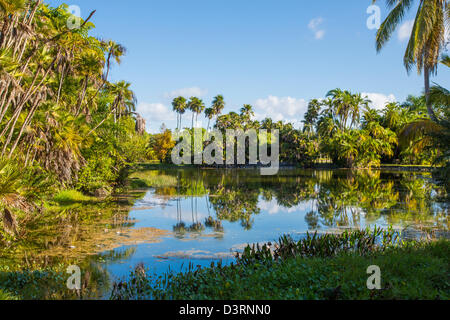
x: 419, y: 271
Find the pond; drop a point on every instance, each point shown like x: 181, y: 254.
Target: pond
x: 201, y: 216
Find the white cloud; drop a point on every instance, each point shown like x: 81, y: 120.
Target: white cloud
x: 379, y: 100
x: 272, y: 207
x: 281, y: 109
x: 315, y: 23
x: 314, y: 26
x: 186, y: 92
x: 319, y: 34
x: 155, y: 114
x: 404, y: 32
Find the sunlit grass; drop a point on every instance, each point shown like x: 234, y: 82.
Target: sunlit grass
x: 67, y: 197
x: 6, y: 296
x: 151, y: 179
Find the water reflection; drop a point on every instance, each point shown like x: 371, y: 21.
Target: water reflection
x: 205, y: 215
x: 330, y: 199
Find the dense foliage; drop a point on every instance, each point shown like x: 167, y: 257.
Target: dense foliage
x: 342, y: 129
x: 62, y: 123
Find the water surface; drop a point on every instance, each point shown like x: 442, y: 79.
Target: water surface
x: 204, y: 216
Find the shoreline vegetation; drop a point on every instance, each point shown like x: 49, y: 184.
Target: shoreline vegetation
x: 325, y: 267
x: 315, y: 267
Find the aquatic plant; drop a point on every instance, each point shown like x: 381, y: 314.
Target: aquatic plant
x: 410, y: 271
x: 361, y: 242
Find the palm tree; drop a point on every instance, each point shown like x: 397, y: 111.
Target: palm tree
x: 8, y: 10
x: 427, y: 38
x: 124, y: 102
x: 179, y: 106
x: 358, y: 103
x: 344, y: 105
x: 209, y: 113
x: 218, y: 105
x: 312, y: 116
x: 415, y: 105
x: 392, y: 117
x: 370, y: 115
x: 115, y: 52
x: 247, y: 114
x: 197, y: 106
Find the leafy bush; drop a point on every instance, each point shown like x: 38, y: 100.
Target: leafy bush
x: 99, y: 172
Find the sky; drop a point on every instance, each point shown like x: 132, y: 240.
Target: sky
x: 273, y: 54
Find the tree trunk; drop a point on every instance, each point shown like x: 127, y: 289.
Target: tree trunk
x: 83, y: 95
x: 4, y: 29
x: 427, y: 95
x: 113, y: 111
x: 24, y: 125
x: 61, y: 81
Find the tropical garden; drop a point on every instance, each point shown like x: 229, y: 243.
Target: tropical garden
x: 63, y: 124
x: 75, y: 158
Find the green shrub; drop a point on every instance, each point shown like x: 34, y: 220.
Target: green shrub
x: 98, y: 173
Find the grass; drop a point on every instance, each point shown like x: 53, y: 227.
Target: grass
x: 49, y: 283
x: 408, y: 271
x: 6, y: 296
x: 151, y: 179
x: 67, y: 197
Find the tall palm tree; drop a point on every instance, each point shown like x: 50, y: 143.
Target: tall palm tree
x: 115, y: 53
x: 358, y: 103
x: 427, y: 38
x: 247, y: 114
x: 179, y: 106
x: 218, y: 105
x: 209, y: 113
x: 346, y: 106
x: 124, y: 102
x: 312, y: 116
x: 197, y: 106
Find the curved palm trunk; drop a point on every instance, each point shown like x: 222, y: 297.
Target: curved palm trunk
x: 24, y: 125
x: 83, y: 95
x: 427, y: 95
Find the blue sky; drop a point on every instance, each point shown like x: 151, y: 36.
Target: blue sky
x: 273, y: 54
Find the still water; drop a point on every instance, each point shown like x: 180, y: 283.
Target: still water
x: 203, y: 216
x: 211, y: 214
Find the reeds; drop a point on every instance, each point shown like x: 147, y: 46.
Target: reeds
x: 360, y: 242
